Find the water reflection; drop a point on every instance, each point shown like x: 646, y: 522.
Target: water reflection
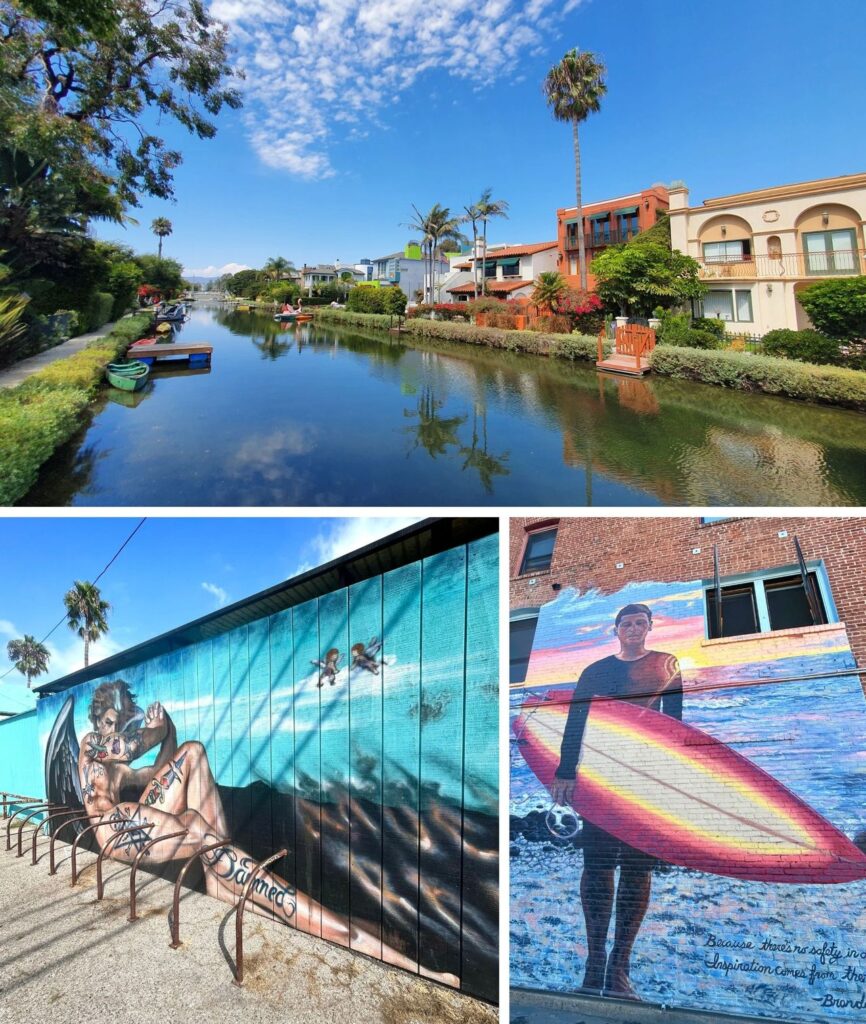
x: 372, y: 419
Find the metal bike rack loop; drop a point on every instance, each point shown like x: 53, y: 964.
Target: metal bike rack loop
x: 239, y: 916
x: 141, y: 853
x: 7, y: 800
x: 42, y: 806
x: 52, y: 870
x: 58, y: 814
x: 50, y: 808
x: 175, y: 905
x: 75, y: 843
x: 117, y: 835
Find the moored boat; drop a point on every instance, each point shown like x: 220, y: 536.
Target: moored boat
x: 131, y: 376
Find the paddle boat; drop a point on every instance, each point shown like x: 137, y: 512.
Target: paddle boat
x: 131, y: 376
x: 293, y: 318
x: 173, y: 314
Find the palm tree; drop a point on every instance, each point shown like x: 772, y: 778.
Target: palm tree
x: 487, y: 208
x: 438, y: 228
x: 550, y: 286
x: 473, y: 216
x: 29, y: 656
x: 86, y: 611
x: 161, y: 227
x: 277, y: 268
x: 574, y: 88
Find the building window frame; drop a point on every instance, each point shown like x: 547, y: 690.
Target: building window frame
x: 521, y: 615
x: 532, y: 532
x: 734, y: 294
x: 728, y: 250
x: 757, y: 580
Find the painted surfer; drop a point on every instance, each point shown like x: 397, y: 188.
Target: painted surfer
x: 649, y: 679
x: 365, y: 656
x: 329, y: 667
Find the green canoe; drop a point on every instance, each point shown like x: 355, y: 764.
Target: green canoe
x: 131, y: 376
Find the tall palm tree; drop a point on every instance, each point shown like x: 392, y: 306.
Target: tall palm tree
x: 437, y: 228
x: 161, y: 227
x: 29, y: 656
x: 574, y: 88
x: 487, y: 208
x: 473, y: 216
x: 277, y: 268
x: 85, y: 611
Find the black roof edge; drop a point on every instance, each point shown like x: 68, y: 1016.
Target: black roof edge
x: 420, y: 540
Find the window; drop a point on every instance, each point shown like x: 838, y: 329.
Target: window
x: 522, y: 633
x: 736, y: 251
x: 733, y: 305
x: 572, y: 265
x: 773, y: 601
x: 831, y: 252
x: 539, y: 551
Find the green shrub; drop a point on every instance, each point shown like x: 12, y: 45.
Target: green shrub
x: 837, y: 308
x: 713, y: 324
x: 691, y: 338
x: 747, y: 372
x: 484, y: 305
x: 805, y: 346
x: 395, y: 300
x: 97, y: 311
x: 365, y: 299
x: 124, y: 277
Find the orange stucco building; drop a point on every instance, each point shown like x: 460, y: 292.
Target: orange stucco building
x: 608, y: 222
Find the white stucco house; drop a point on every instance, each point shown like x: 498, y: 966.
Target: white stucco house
x: 509, y: 271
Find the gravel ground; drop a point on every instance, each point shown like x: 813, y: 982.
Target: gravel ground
x: 66, y: 958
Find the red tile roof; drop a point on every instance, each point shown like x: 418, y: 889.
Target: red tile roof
x: 491, y: 285
x: 513, y: 250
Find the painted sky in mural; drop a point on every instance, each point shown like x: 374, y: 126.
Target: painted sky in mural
x: 707, y: 940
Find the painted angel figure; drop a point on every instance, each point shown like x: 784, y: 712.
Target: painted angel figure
x: 329, y: 667
x: 177, y: 792
x: 365, y: 657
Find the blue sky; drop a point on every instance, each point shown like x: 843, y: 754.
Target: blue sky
x: 171, y: 572
x: 354, y: 111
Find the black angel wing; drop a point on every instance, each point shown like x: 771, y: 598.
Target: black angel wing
x: 61, y: 763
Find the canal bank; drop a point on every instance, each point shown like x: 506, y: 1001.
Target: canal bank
x: 315, y: 414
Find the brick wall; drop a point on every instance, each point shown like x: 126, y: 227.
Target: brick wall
x: 588, y: 548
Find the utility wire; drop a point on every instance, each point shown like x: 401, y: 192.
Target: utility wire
x: 105, y: 569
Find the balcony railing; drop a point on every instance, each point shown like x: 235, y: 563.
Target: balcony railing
x: 598, y: 241
x: 791, y: 266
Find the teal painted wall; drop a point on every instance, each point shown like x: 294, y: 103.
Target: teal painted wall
x: 21, y: 768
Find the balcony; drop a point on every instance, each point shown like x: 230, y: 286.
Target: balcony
x: 791, y: 266
x: 599, y: 241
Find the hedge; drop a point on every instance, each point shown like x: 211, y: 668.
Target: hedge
x: 747, y: 372
x: 45, y: 410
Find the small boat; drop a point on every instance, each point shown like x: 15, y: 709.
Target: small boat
x: 173, y: 314
x: 293, y: 318
x: 163, y: 328
x: 242, y: 309
x: 131, y: 376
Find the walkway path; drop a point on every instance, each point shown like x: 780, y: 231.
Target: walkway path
x: 14, y: 375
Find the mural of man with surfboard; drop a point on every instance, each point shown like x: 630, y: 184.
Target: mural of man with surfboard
x: 649, y: 679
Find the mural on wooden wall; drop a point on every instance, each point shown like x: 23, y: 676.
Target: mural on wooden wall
x: 358, y: 731
x: 687, y: 815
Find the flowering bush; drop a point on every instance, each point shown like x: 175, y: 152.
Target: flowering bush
x: 442, y: 310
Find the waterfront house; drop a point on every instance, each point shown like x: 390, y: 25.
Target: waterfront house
x: 406, y: 269
x: 607, y: 222
x: 758, y: 250
x: 509, y: 271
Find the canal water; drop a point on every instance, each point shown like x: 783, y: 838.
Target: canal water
x: 307, y: 415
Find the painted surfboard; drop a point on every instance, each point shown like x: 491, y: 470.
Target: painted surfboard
x: 682, y: 796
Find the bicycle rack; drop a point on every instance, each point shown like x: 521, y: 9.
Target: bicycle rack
x: 45, y: 821
x: 175, y: 906
x: 102, y: 853
x: 75, y: 843
x: 49, y: 808
x: 141, y: 853
x: 239, y: 916
x: 41, y: 806
x: 52, y: 870
x: 8, y: 799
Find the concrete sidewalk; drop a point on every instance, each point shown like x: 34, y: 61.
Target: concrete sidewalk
x: 19, y: 372
x: 64, y: 958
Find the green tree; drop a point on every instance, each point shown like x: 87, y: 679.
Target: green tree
x: 162, y: 228
x: 487, y: 209
x: 837, y: 308
x: 277, y: 268
x: 29, y: 656
x: 85, y: 613
x: 574, y: 88
x: 634, y: 279
x: 394, y: 301
x: 91, y: 95
x: 164, y: 274
x: 244, y: 283
x: 550, y: 287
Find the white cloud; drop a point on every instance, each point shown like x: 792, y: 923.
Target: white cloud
x: 345, y: 535
x: 226, y: 268
x: 8, y: 629
x: 218, y: 592
x: 316, y: 67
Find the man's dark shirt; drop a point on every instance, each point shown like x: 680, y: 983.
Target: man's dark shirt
x: 653, y: 681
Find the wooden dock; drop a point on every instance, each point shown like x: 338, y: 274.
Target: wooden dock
x: 198, y: 353
x: 632, y: 348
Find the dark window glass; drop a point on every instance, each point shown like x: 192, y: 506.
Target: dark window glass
x: 788, y: 605
x: 522, y: 635
x: 539, y: 551
x: 739, y: 612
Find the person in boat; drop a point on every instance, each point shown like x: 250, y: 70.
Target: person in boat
x: 649, y: 679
